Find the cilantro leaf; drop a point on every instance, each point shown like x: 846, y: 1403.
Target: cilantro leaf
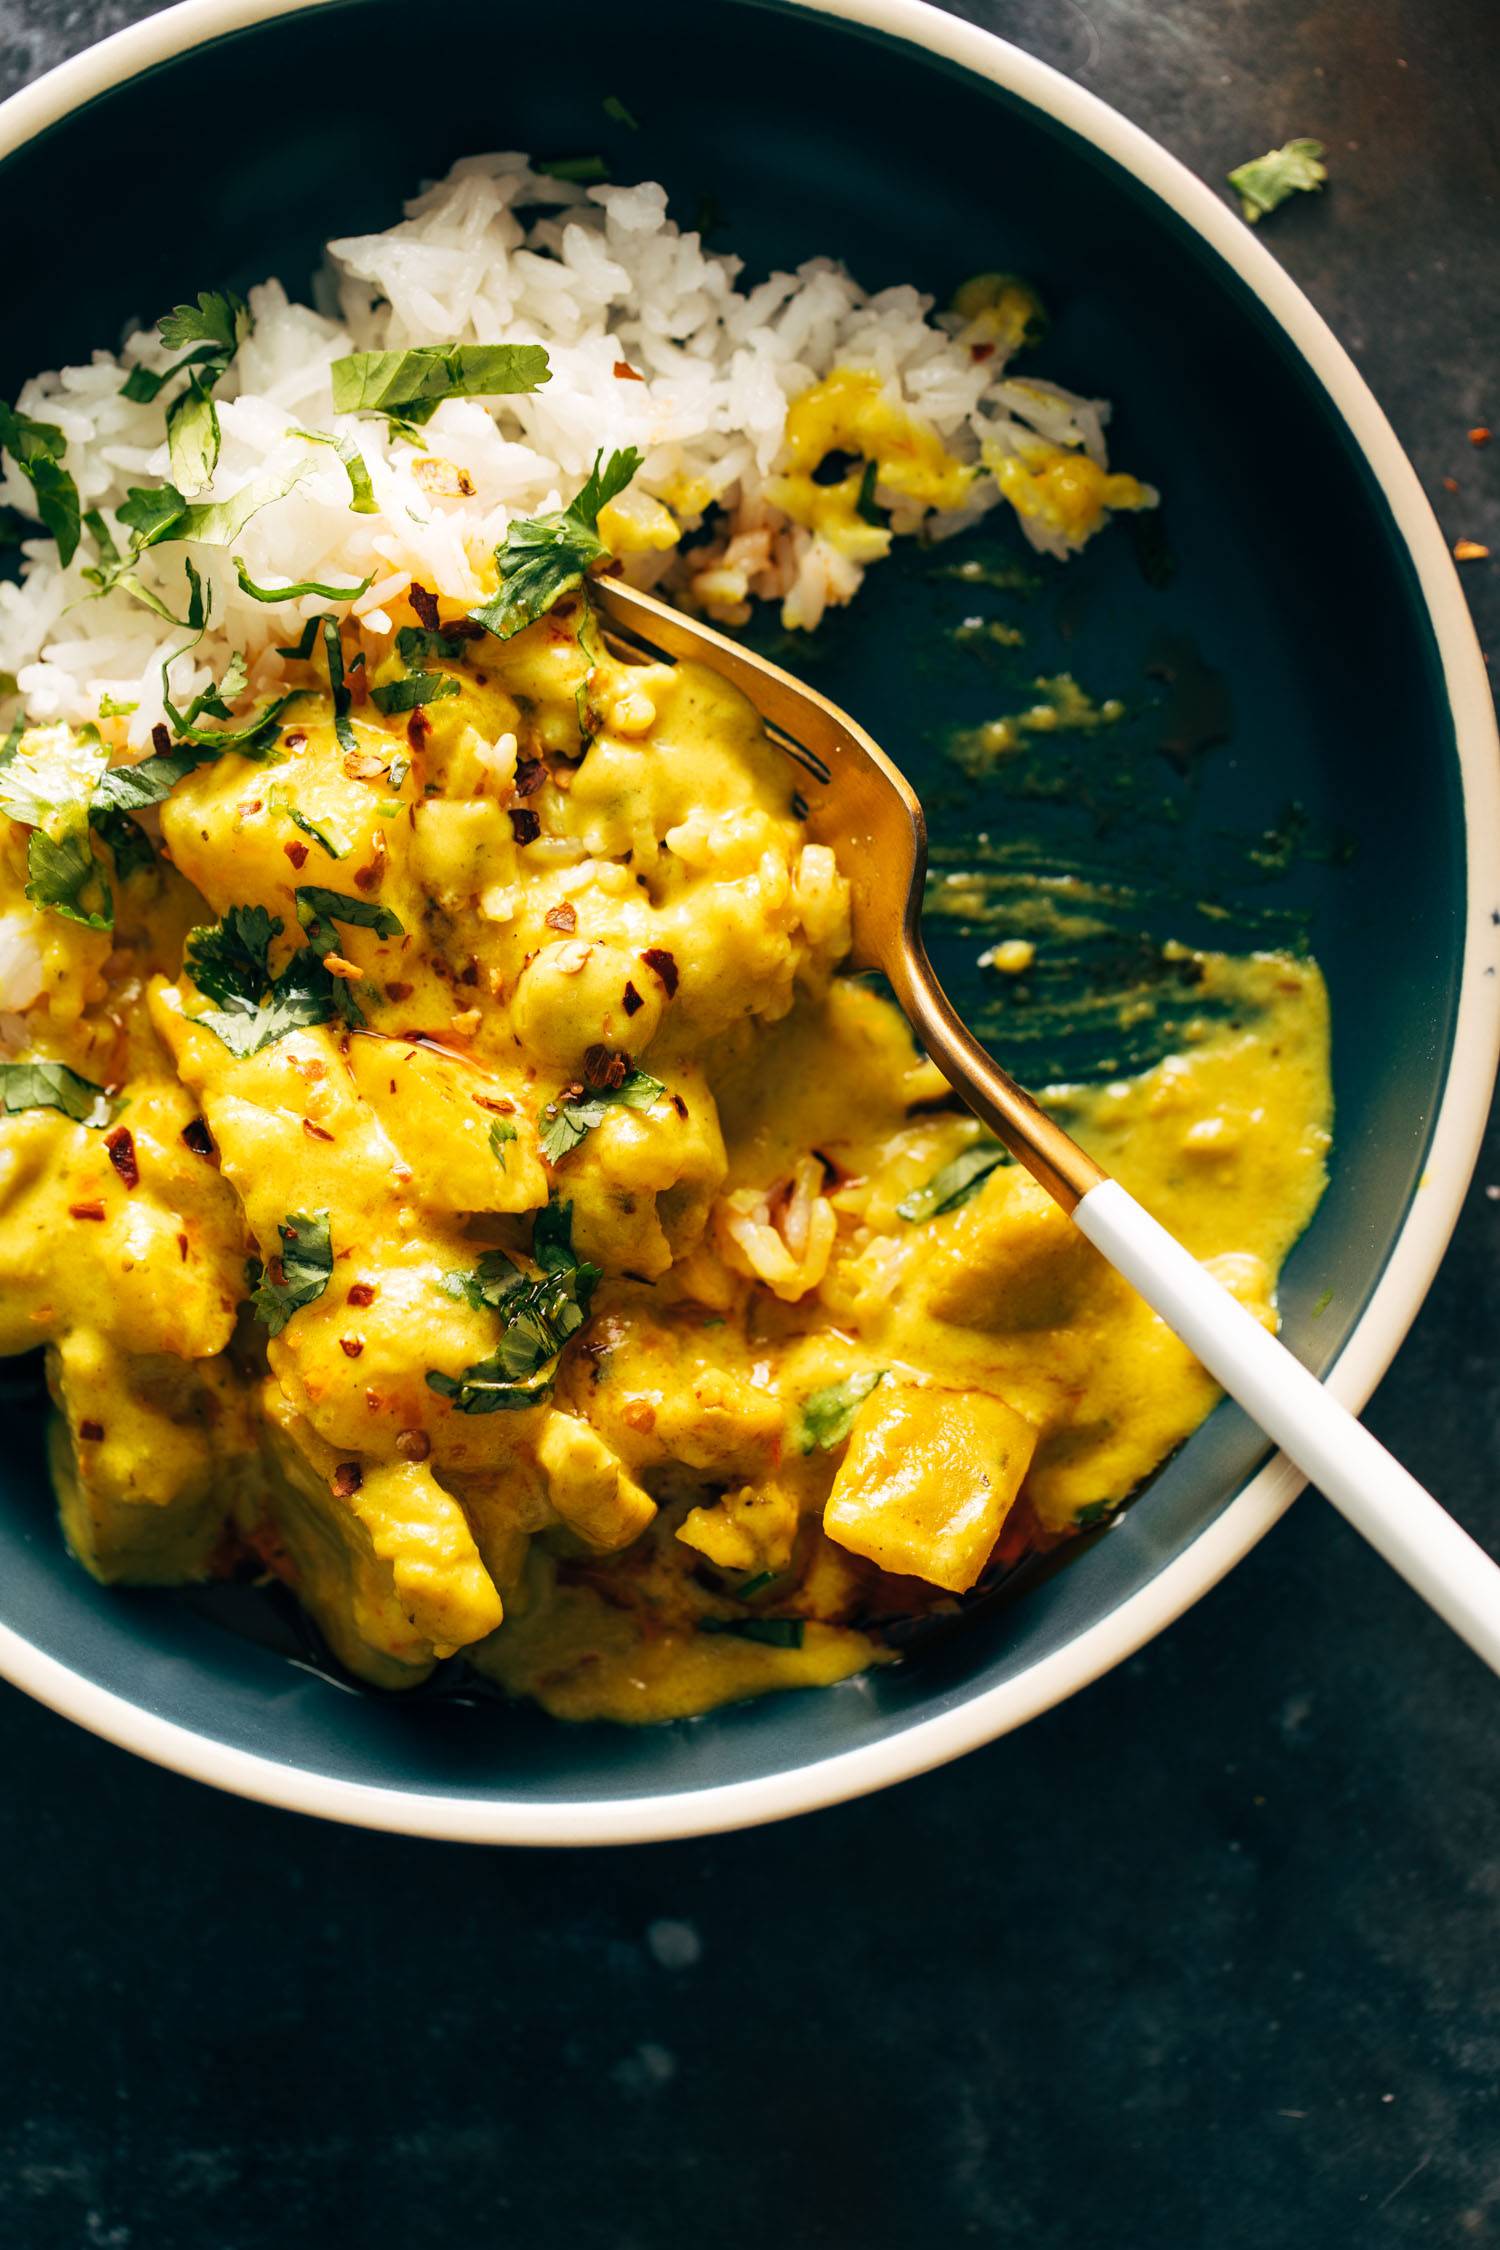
x: 299, y: 1272
x: 827, y: 1416
x: 333, y: 649
x: 66, y: 877
x: 129, y: 789
x: 414, y: 642
x: 418, y: 688
x: 612, y: 106
x: 395, y: 382
x: 295, y: 591
x: 362, y: 501
x: 37, y: 449
x: 501, y: 1133
x: 219, y: 317
x: 230, y: 961
x: 319, y: 909
x: 583, y: 171
x: 51, y: 1085
x: 568, y: 1123
x: 1266, y: 181
x: 544, y: 557
x: 299, y: 819
x: 193, y: 437
x: 539, y: 1314
x: 775, y: 1632
x: 956, y: 1182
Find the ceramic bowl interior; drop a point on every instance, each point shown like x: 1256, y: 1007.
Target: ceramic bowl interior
x: 1291, y: 594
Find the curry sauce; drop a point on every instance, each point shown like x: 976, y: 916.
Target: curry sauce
x: 489, y: 1208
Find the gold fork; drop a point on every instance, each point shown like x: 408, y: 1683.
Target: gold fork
x: 860, y: 805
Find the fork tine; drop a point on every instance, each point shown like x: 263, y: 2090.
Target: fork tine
x: 630, y: 644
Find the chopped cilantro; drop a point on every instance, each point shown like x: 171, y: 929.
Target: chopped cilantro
x: 230, y: 965
x: 416, y: 642
x: 956, y: 1182
x: 501, y: 1134
x: 318, y: 910
x: 615, y: 108
x: 110, y: 708
x: 37, y: 448
x: 584, y: 171
x: 232, y: 960
x: 300, y: 1270
x: 775, y: 1632
x: 333, y: 649
x: 1268, y: 180
x: 219, y: 319
x: 66, y: 877
x: 828, y: 1415
x: 294, y: 592
x: 411, y: 383
x: 362, y: 501
x: 864, y: 506
x: 417, y: 689
x: 1093, y: 1512
x: 51, y: 1085
x: 308, y: 827
x: 544, y: 557
x: 539, y: 1313
x: 567, y: 1123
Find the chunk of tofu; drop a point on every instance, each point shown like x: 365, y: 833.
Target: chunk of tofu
x: 928, y: 1479
x: 589, y: 1485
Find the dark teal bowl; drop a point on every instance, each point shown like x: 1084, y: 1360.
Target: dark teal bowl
x: 1311, y: 591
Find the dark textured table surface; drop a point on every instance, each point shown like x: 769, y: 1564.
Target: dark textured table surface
x: 1206, y: 1957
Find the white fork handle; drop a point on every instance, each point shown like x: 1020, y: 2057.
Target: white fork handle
x: 1401, y: 1520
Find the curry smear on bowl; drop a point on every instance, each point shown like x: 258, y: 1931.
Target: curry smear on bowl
x: 460, y: 1181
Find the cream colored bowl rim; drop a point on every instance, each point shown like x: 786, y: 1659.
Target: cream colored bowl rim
x: 1408, y: 1272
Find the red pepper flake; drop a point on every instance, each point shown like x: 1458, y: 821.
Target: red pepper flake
x: 418, y: 729
x: 366, y: 878
x: 182, y: 1248
x: 293, y: 741
x: 981, y: 351
x: 1470, y: 550
x: 524, y: 825
x: 469, y: 973
x: 563, y: 917
x: 92, y: 1431
x: 425, y: 604
x: 361, y: 1293
x: 603, y: 1069
x: 121, y: 1146
x: 86, y: 1210
x: 632, y: 1000
x: 197, y: 1137
x: 657, y: 958
x: 296, y: 853
x: 315, y: 1132
x: 1450, y: 484
x: 530, y: 774
x: 1480, y: 435
x: 625, y: 373
x: 351, y: 1346
x: 399, y: 991
x: 346, y: 1480
x: 413, y: 1445
x: 679, y: 1105
x: 639, y: 1414
x: 161, y: 740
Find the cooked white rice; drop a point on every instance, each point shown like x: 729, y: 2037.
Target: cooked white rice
x: 496, y: 253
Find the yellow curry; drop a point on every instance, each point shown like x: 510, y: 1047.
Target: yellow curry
x: 460, y: 1182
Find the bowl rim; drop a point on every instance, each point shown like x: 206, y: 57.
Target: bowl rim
x: 1414, y: 1257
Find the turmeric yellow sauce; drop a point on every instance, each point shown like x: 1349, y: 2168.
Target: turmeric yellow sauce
x: 502, y: 1221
